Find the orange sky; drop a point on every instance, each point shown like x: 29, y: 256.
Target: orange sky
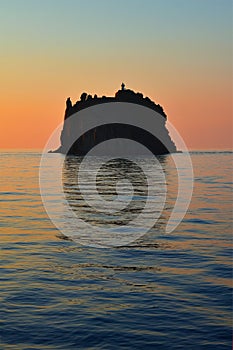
x: 184, y: 64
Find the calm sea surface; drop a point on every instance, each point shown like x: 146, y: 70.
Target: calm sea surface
x: 164, y: 291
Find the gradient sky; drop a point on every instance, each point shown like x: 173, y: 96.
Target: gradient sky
x: 177, y: 52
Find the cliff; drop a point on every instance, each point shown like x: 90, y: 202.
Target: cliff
x: 101, y: 133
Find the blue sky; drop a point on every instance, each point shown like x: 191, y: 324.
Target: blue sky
x: 51, y: 49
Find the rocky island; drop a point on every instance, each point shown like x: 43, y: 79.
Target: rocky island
x: 104, y: 132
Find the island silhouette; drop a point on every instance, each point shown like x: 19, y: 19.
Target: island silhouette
x: 115, y: 130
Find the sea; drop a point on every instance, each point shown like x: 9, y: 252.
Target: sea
x: 163, y: 290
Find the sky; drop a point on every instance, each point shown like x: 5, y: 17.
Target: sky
x: 177, y: 52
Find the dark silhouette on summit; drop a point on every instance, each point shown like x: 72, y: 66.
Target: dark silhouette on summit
x: 123, y: 95
x: 108, y: 131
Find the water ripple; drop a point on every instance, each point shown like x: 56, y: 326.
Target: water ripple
x: 160, y: 292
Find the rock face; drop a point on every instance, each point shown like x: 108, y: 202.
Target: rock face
x: 105, y: 132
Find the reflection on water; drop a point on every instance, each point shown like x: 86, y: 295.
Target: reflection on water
x: 118, y: 200
x: 117, y: 179
x: 108, y: 176
x: 163, y: 291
